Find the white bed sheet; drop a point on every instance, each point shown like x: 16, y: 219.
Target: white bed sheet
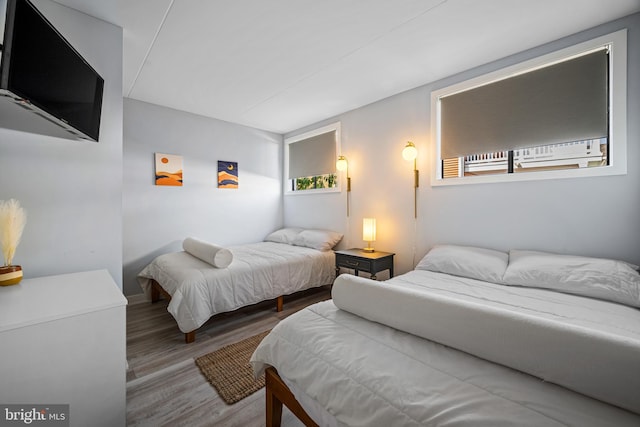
x: 358, y: 372
x: 584, y: 344
x: 367, y: 374
x: 258, y: 272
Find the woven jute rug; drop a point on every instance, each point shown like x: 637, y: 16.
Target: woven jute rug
x: 229, y: 371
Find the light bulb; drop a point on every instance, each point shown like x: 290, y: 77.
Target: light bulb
x: 410, y: 152
x: 341, y: 164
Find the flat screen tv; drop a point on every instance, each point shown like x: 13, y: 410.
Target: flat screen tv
x: 41, y: 71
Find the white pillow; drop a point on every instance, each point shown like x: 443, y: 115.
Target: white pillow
x: 600, y: 278
x: 215, y: 255
x: 284, y: 235
x: 322, y: 240
x: 483, y: 264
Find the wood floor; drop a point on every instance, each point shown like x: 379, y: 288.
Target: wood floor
x: 166, y: 388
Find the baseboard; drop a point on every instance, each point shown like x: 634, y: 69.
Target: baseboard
x: 137, y: 299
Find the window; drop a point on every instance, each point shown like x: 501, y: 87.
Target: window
x: 567, y: 155
x: 310, y: 161
x: 329, y: 180
x: 560, y: 115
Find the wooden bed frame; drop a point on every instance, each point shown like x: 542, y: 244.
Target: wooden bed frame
x: 157, y: 291
x: 277, y: 393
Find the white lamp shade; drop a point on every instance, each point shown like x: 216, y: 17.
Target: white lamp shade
x: 341, y: 164
x: 369, y: 229
x: 410, y: 151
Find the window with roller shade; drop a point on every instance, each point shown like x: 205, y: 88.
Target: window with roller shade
x: 310, y: 160
x: 561, y: 115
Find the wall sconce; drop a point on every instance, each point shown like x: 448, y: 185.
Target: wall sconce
x: 369, y: 233
x: 410, y: 152
x: 343, y: 165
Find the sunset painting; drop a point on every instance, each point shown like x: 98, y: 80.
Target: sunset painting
x: 168, y: 169
x: 227, y: 174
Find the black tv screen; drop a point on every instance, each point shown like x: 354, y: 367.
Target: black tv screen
x: 39, y: 65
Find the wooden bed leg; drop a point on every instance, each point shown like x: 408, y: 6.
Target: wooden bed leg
x: 279, y: 303
x: 277, y: 393
x: 274, y: 406
x: 155, y: 292
x: 190, y: 337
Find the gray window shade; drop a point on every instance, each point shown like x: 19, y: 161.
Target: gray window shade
x: 559, y: 103
x: 313, y: 156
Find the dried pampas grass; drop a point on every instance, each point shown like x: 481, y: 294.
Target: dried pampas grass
x: 12, y: 221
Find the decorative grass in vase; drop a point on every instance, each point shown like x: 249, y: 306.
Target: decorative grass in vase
x: 12, y: 221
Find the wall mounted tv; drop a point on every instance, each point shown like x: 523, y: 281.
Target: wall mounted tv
x: 42, y: 73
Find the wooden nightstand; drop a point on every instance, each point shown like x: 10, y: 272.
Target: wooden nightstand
x: 370, y: 262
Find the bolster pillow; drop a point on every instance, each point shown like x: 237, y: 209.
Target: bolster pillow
x: 215, y: 255
x: 594, y: 363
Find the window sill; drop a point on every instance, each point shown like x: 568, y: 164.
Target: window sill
x: 314, y: 191
x: 532, y: 176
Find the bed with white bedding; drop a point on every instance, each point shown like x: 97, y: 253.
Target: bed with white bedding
x: 290, y: 260
x: 434, y: 348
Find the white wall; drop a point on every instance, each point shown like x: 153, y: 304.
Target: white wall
x: 70, y: 189
x: 157, y: 219
x: 589, y: 216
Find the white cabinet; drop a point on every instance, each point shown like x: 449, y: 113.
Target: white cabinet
x: 63, y: 341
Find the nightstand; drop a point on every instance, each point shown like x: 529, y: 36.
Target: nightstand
x: 370, y: 262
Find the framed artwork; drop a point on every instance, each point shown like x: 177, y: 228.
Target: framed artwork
x: 227, y: 174
x: 168, y: 169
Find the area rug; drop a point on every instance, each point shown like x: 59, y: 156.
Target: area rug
x: 229, y: 371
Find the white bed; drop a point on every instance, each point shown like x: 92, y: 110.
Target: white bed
x: 434, y: 349
x: 258, y: 272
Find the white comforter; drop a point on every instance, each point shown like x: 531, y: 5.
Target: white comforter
x: 369, y: 374
x: 258, y: 272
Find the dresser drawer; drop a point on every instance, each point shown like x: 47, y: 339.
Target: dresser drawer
x: 351, y: 262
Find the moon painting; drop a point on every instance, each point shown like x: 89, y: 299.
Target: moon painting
x: 227, y: 174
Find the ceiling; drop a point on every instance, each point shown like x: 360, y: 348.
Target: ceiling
x: 282, y: 64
